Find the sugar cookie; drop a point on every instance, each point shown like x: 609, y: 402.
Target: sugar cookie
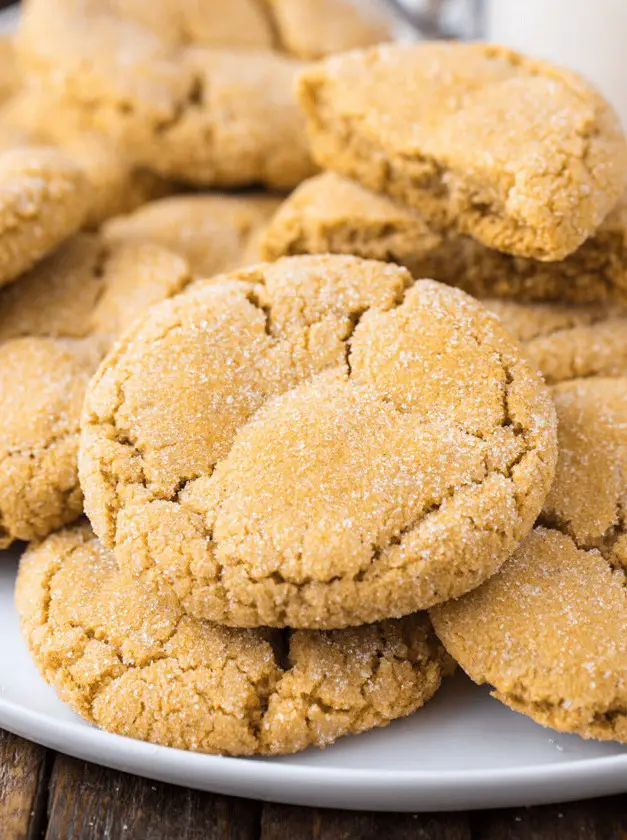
x: 316, y: 443
x: 125, y: 656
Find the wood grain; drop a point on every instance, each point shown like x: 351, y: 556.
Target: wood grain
x: 601, y: 819
x: 23, y: 775
x: 283, y: 822
x: 93, y: 803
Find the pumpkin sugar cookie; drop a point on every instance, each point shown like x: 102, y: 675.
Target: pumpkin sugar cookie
x: 55, y: 326
x: 123, y: 654
x: 548, y: 631
x: 316, y: 443
x: 31, y: 118
x: 523, y: 156
x: 566, y: 341
x: 201, y: 92
x: 214, y: 233
x: 330, y: 214
x: 44, y: 198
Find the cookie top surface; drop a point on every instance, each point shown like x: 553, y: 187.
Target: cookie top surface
x: 547, y: 632
x: 44, y: 198
x: 316, y: 443
x: 568, y: 341
x: 330, y: 214
x: 525, y: 157
x: 214, y: 233
x: 124, y: 655
x: 55, y: 326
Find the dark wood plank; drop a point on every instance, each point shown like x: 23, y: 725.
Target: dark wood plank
x: 23, y: 778
x: 88, y: 802
x: 283, y: 822
x: 601, y: 819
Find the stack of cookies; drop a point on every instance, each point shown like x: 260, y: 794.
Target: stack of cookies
x: 314, y: 482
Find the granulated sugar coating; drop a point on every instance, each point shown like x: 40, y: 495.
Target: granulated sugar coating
x: 44, y: 198
x: 548, y: 631
x: 56, y: 323
x: 197, y: 91
x: 123, y: 654
x: 568, y: 341
x: 214, y: 233
x: 525, y: 157
x: 330, y: 214
x: 316, y: 443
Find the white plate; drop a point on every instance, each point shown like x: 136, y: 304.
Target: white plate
x: 463, y: 750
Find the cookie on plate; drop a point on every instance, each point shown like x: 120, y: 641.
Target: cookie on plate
x: 56, y: 323
x: 125, y: 656
x: 213, y: 232
x: 44, y: 199
x: 525, y: 157
x: 567, y: 341
x: 198, y: 92
x: 317, y: 443
x: 331, y: 214
x: 547, y: 632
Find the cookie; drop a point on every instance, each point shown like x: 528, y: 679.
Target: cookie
x: 55, y: 326
x: 44, y: 198
x: 123, y: 654
x: 567, y: 341
x: 547, y: 632
x: 330, y: 214
x: 117, y: 185
x: 316, y: 443
x: 525, y: 157
x: 197, y: 92
x: 214, y: 233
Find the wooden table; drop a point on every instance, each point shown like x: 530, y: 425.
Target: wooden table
x: 48, y: 795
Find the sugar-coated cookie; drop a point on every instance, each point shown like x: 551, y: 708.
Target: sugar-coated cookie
x: 125, y: 656
x: 525, y: 157
x: 198, y: 92
x: 568, y: 341
x: 316, y: 443
x: 214, y: 232
x: 44, y: 198
x: 548, y: 631
x: 55, y: 325
x: 331, y: 214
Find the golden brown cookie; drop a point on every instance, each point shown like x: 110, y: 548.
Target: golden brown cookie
x: 213, y: 232
x: 117, y: 185
x: 200, y: 92
x: 316, y: 443
x: 55, y: 326
x: 44, y: 198
x: 548, y: 631
x: 125, y: 656
x: 525, y: 157
x: 567, y: 341
x: 330, y: 214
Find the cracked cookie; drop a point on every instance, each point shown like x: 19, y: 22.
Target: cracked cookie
x: 316, y: 443
x: 330, y: 214
x: 55, y: 326
x: 124, y: 655
x: 525, y: 157
x: 197, y: 92
x: 568, y: 341
x: 214, y: 233
x: 548, y: 631
x: 44, y: 198
x: 117, y: 185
